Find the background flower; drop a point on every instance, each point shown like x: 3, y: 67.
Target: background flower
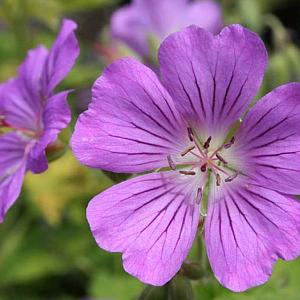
x: 32, y: 113
x: 149, y: 21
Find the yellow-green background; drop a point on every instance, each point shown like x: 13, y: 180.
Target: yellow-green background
x: 46, y: 249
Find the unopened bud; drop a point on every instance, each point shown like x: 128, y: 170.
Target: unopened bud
x: 180, y: 288
x: 116, y: 177
x: 192, y: 270
x: 55, y: 150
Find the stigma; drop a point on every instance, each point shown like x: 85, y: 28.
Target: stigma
x: 201, y: 157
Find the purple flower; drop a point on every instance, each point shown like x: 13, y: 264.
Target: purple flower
x: 190, y: 124
x: 142, y: 20
x: 31, y: 115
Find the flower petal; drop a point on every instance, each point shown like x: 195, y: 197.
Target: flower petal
x: 129, y: 25
x: 164, y: 16
x: 134, y: 24
x: 57, y: 116
x: 248, y: 227
x: 268, y: 141
x: 30, y: 74
x: 151, y: 219
x: 20, y: 108
x: 61, y: 57
x: 212, y: 79
x: 206, y: 14
x: 131, y: 124
x: 12, y: 169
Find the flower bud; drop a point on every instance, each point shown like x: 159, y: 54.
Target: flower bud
x: 153, y: 45
x: 116, y: 177
x: 180, y: 288
x: 192, y: 270
x: 55, y: 150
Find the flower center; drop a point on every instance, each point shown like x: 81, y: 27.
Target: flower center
x: 201, y: 157
x: 6, y: 127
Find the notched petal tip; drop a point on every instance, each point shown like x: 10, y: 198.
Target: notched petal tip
x: 212, y: 79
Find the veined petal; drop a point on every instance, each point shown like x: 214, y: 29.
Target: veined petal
x: 25, y: 97
x: 30, y: 78
x: 151, y: 219
x: 12, y: 169
x: 131, y: 124
x: 268, y: 141
x: 20, y: 108
x: 22, y: 96
x: 56, y: 116
x: 247, y: 229
x: 62, y: 56
x: 212, y: 79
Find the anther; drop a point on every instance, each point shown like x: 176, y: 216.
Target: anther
x: 187, y: 172
x: 172, y: 165
x: 218, y: 177
x: 199, y: 195
x: 221, y: 159
x: 2, y: 120
x: 188, y: 150
x: 190, y: 133
x: 230, y: 178
x: 231, y: 142
x: 203, y: 168
x: 206, y: 144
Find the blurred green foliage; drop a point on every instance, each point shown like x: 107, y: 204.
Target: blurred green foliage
x: 46, y: 249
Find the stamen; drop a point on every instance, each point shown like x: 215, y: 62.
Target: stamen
x: 221, y: 159
x: 172, y: 165
x: 187, y: 150
x: 231, y: 142
x: 187, y: 172
x: 218, y: 177
x: 203, y: 167
x: 199, y: 195
x: 2, y: 121
x: 206, y: 144
x: 190, y: 133
x: 195, y: 154
x: 230, y: 178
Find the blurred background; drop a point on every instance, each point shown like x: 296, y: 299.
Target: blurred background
x: 46, y: 248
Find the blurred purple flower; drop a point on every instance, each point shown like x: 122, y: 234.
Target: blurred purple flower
x: 142, y: 20
x: 137, y: 124
x: 31, y: 115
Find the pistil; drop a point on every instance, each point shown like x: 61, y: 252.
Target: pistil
x: 204, y: 160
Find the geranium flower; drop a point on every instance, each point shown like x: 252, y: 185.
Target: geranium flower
x: 31, y: 115
x: 141, y: 21
x: 190, y: 124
